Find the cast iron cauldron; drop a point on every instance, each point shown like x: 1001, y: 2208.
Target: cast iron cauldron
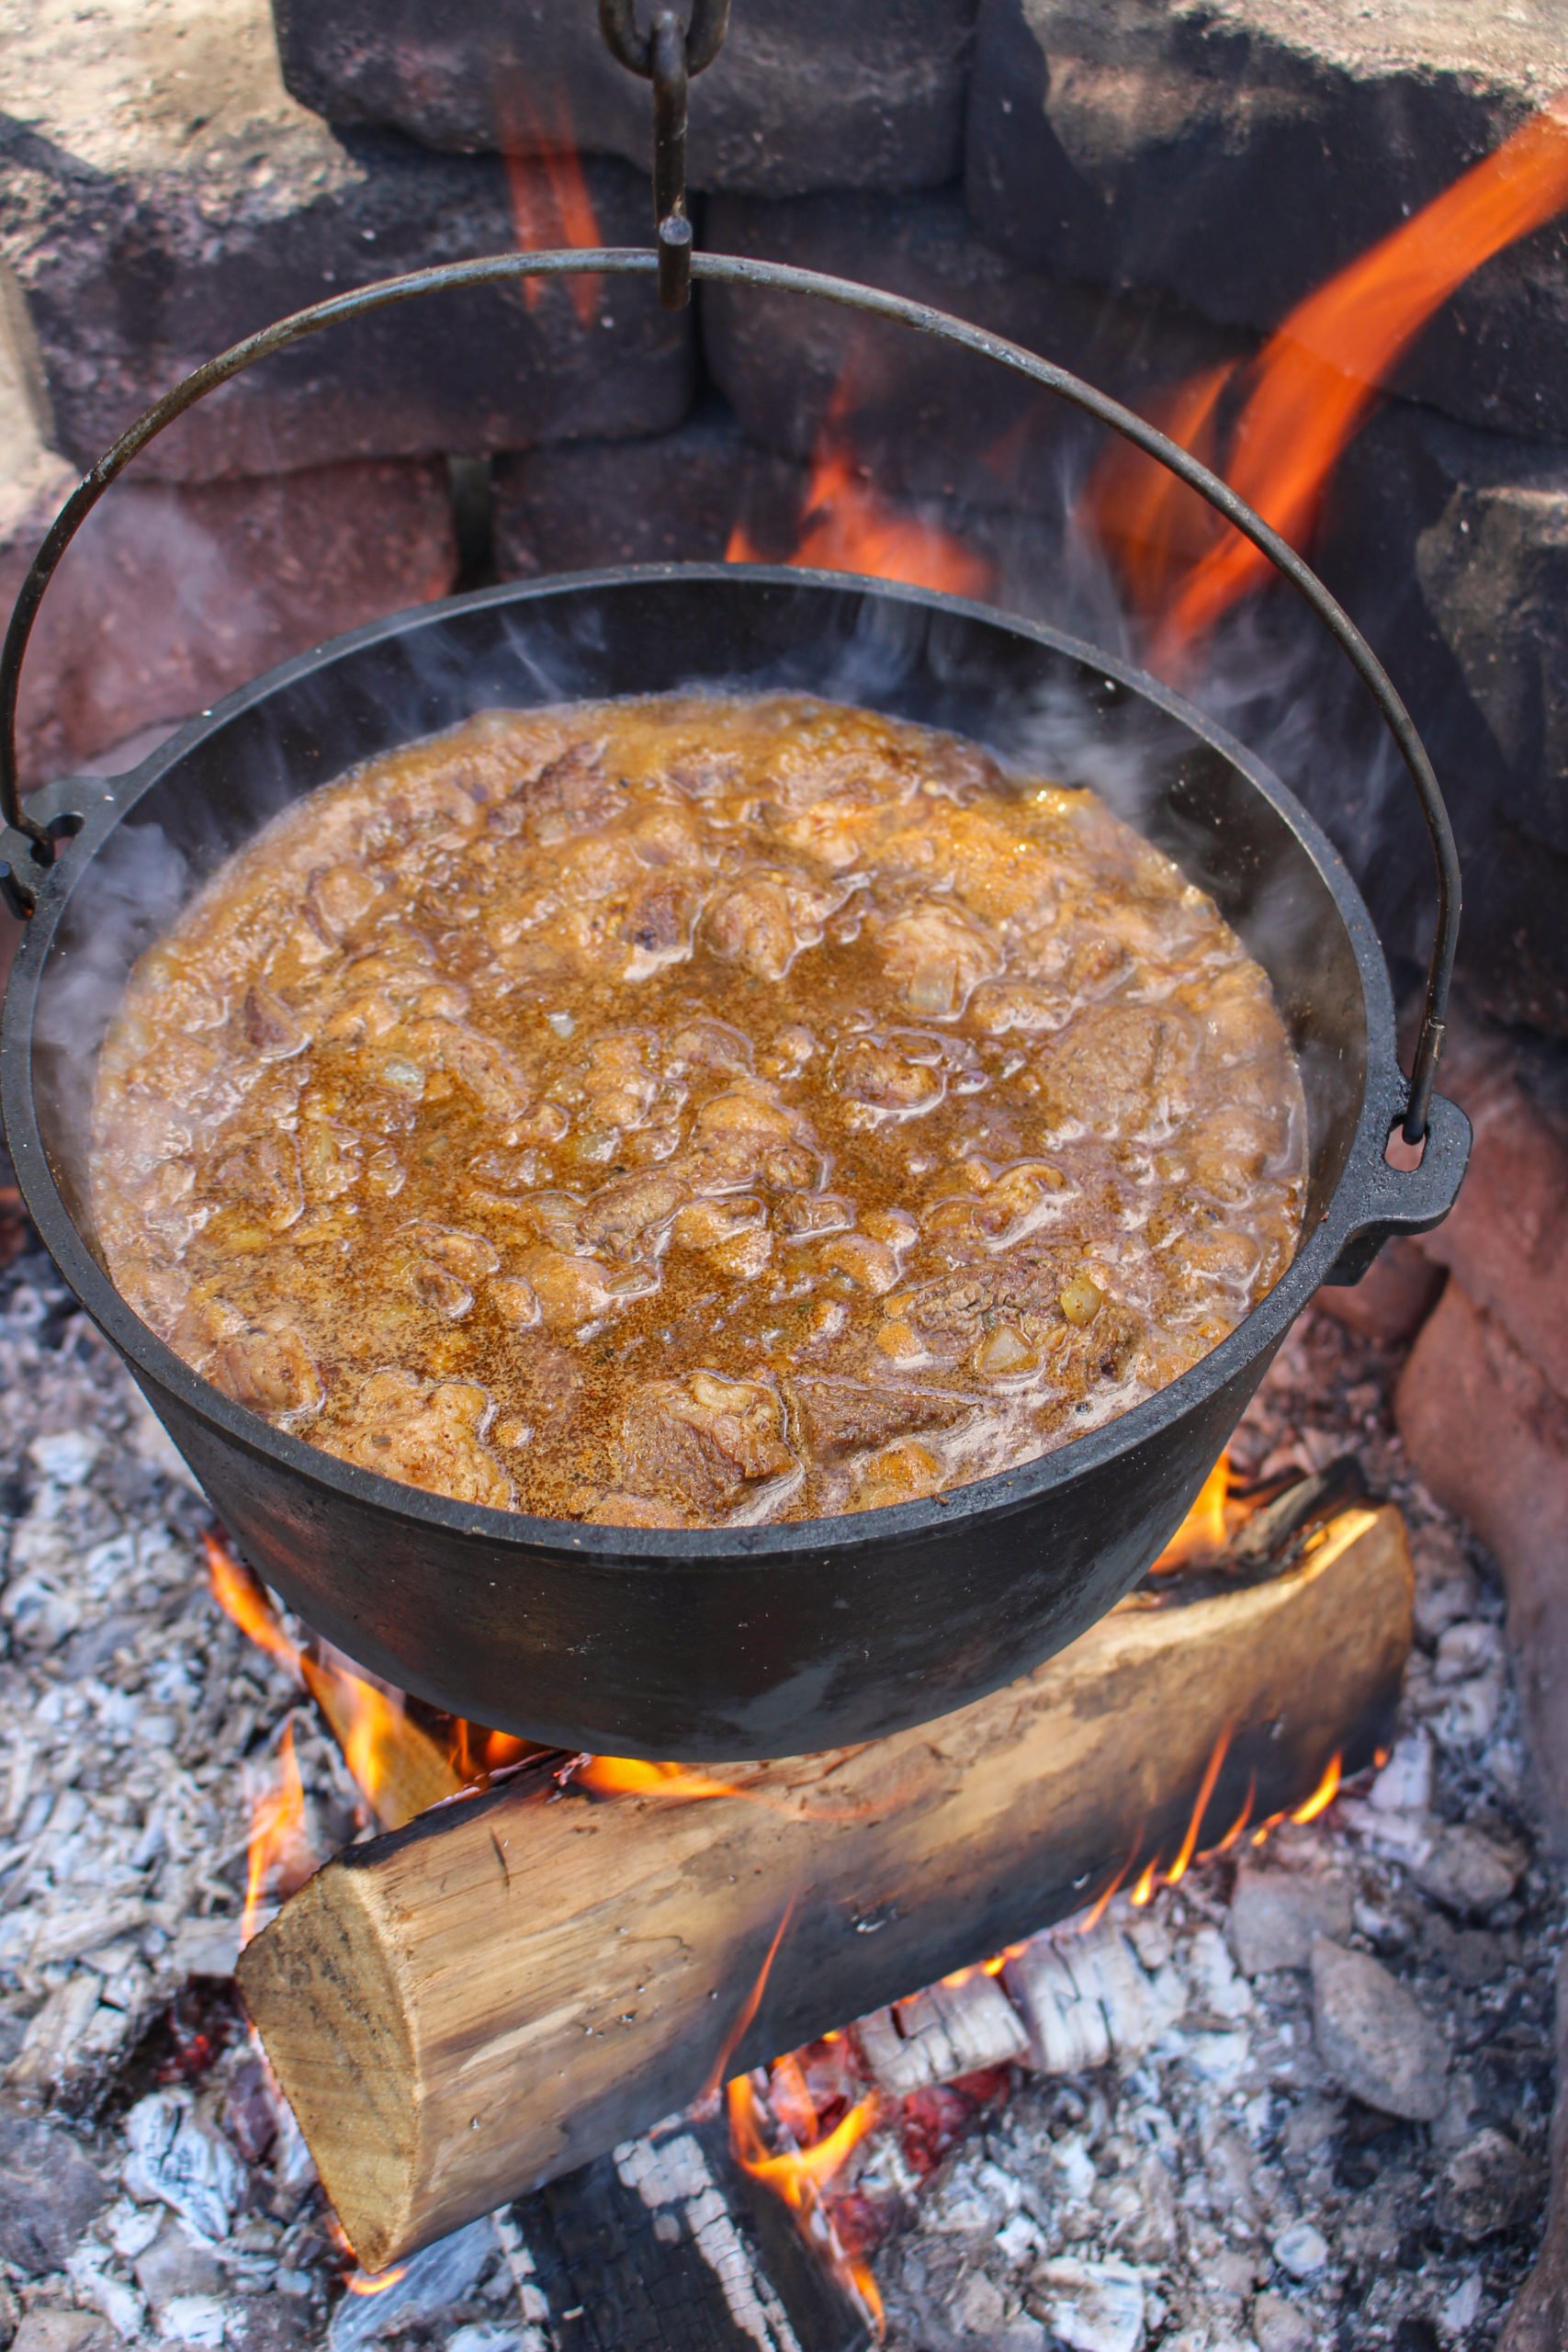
x: 758, y: 1640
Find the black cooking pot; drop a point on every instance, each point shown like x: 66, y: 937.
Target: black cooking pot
x: 734, y: 1642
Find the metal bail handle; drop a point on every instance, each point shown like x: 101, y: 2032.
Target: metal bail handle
x: 29, y: 847
x: 668, y: 55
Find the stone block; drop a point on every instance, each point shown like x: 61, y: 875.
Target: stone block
x: 675, y: 497
x: 805, y: 93
x: 163, y: 196
x: 1236, y: 155
x: 1450, y: 547
x: 175, y: 593
x: 1507, y: 1238
x: 1392, y: 1300
x: 1489, y: 1434
x: 926, y: 417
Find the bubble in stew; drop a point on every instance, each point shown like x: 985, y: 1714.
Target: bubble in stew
x: 696, y: 1112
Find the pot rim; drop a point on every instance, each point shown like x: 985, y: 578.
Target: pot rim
x: 105, y: 803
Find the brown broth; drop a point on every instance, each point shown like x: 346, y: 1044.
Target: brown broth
x: 695, y: 1111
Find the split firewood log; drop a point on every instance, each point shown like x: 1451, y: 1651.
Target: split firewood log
x: 522, y: 1979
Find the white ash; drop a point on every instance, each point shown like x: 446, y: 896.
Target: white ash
x: 1201, y: 2182
x: 1214, y: 2186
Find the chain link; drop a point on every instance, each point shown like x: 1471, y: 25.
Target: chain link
x: 703, y: 38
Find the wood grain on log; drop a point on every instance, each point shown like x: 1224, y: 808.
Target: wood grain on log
x: 520, y: 1980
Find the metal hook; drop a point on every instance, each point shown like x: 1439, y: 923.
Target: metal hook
x: 668, y: 55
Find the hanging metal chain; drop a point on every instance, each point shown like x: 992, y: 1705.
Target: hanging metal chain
x: 668, y: 55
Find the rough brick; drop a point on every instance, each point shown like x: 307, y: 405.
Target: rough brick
x: 1236, y: 152
x: 1392, y: 1299
x: 1489, y: 1434
x: 161, y: 195
x: 1506, y: 1238
x: 677, y: 497
x: 1450, y: 548
x: 175, y: 593
x: 805, y: 93
x: 929, y: 417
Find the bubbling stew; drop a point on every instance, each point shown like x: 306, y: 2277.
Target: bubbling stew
x: 694, y: 1111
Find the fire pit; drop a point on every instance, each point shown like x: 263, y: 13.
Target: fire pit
x: 499, y: 1997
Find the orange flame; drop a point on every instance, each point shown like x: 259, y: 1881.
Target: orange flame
x: 550, y: 200
x: 800, y: 2176
x: 280, y: 1858
x: 375, y: 2282
x: 1311, y: 387
x: 243, y: 1600
x: 1239, y: 1824
x: 1189, y: 1846
x: 1101, y: 1903
x: 1148, y: 1878
x: 399, y: 1766
x: 846, y: 524
x: 1203, y: 1532
x: 708, y: 2097
x: 1323, y: 1796
x: 632, y: 1776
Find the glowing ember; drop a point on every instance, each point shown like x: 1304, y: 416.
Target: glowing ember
x: 846, y: 524
x: 1310, y: 390
x: 280, y: 1856
x: 550, y: 201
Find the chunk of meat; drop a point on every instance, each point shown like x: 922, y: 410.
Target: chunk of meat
x: 763, y: 921
x: 657, y: 922
x: 344, y: 900
x: 271, y: 1028
x: 702, y: 1442
x: 260, y: 1181
x: 573, y: 791
x: 431, y: 1435
x: 1102, y: 1073
x: 490, y: 1073
x: 271, y: 1370
x: 845, y: 1417
x: 572, y: 1291
x: 936, y: 955
x: 621, y: 1214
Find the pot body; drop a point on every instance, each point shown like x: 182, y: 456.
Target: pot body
x: 724, y: 1643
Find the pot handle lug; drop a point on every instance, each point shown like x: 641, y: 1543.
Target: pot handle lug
x: 55, y: 811
x: 1406, y: 1200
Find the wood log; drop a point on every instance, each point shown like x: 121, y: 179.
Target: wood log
x: 473, y: 2006
x: 667, y: 2246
